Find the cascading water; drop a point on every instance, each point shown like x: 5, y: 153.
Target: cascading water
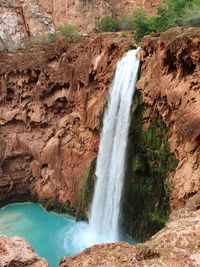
x: 105, y: 211
x: 103, y: 224
x: 71, y: 237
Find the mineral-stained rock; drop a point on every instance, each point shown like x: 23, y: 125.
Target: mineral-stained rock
x: 175, y: 246
x: 15, y: 251
x: 51, y: 104
x: 170, y: 86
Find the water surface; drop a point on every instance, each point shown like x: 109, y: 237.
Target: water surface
x: 47, y: 232
x: 51, y: 235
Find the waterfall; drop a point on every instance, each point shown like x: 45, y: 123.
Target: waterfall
x: 106, y: 204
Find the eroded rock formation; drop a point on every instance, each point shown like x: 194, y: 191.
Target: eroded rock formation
x: 15, y: 251
x: 51, y: 104
x: 170, y: 86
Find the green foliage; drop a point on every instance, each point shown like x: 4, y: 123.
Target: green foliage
x: 107, y: 24
x: 157, y: 218
x: 68, y: 31
x: 142, y: 24
x: 191, y: 15
x: 137, y: 163
x: 172, y: 13
x: 146, y: 196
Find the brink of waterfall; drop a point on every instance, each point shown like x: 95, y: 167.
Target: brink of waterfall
x: 111, y: 160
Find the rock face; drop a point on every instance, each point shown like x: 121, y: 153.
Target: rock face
x: 21, y: 22
x: 25, y: 21
x: 85, y: 14
x: 170, y: 86
x: 176, y: 245
x: 51, y: 104
x: 15, y: 251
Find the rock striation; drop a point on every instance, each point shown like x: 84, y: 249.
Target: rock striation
x: 15, y: 251
x: 51, y: 104
x: 85, y: 14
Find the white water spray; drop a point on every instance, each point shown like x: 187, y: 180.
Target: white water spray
x: 106, y: 205
x: 103, y: 224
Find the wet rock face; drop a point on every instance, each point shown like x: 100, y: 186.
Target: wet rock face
x: 51, y: 104
x: 15, y: 251
x: 170, y: 86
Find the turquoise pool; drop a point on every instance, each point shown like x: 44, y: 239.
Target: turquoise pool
x: 50, y: 234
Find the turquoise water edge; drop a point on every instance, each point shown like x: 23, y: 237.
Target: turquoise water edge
x: 52, y: 235
x: 47, y: 232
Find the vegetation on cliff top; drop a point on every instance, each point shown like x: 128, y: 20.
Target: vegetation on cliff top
x: 172, y: 13
x: 67, y: 31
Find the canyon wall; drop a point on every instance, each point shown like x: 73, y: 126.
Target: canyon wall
x: 51, y: 104
x: 170, y: 86
x: 26, y: 21
x: 84, y: 14
x: 21, y: 22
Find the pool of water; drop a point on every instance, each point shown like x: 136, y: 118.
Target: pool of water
x: 47, y: 232
x: 51, y: 235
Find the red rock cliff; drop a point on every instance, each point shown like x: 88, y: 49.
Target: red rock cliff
x: 51, y: 104
x: 24, y: 21
x: 85, y: 14
x: 170, y: 86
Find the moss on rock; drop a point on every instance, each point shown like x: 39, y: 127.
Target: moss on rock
x: 86, y: 193
x: 146, y: 193
x: 53, y: 205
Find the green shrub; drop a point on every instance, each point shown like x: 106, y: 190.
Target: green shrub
x: 68, y: 31
x: 191, y: 15
x: 107, y: 24
x: 142, y: 24
x: 172, y: 13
